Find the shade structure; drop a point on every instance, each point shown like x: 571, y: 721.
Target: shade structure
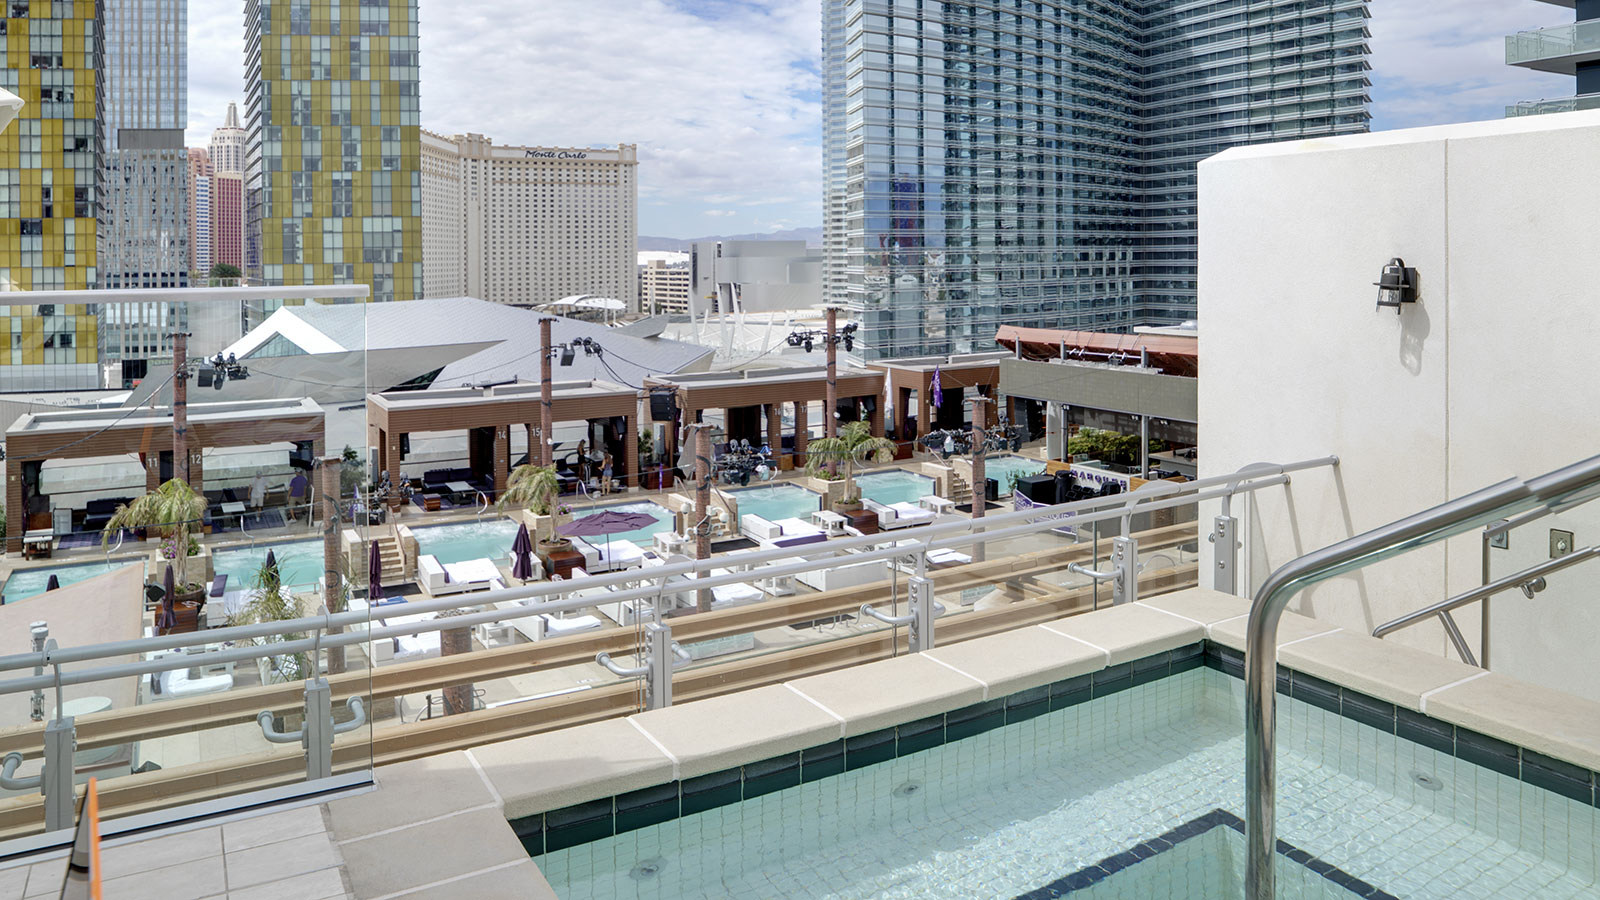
x: 522, y: 554
x: 167, y: 618
x: 10, y: 105
x: 53, y: 583
x: 374, y: 574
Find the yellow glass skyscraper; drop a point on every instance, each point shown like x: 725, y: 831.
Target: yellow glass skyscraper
x: 333, y: 179
x: 50, y: 190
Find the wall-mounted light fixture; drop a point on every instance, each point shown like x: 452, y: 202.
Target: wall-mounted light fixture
x: 1397, y: 285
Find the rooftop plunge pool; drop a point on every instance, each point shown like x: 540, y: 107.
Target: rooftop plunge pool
x: 1127, y: 783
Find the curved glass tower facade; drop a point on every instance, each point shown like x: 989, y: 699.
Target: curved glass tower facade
x: 1033, y: 163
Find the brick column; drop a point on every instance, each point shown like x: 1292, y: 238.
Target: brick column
x: 152, y: 471
x: 332, y: 566
x: 631, y: 479
x: 197, y: 474
x: 533, y: 443
x: 775, y: 433
x: 16, y: 509
x: 875, y: 418
x: 391, y: 443
x: 800, y: 436
x: 502, y: 458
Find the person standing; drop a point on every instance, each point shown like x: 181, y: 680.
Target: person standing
x: 605, y: 474
x: 258, y: 491
x: 298, y: 488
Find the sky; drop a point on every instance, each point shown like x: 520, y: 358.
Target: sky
x: 723, y: 96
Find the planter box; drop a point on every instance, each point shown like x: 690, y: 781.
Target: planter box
x: 832, y: 491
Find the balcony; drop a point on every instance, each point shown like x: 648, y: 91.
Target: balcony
x: 1559, y: 104
x: 1559, y: 49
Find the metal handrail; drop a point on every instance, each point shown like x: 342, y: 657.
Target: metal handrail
x: 1514, y: 580
x: 937, y: 536
x: 1266, y: 611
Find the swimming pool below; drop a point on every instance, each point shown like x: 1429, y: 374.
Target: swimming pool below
x: 1006, y: 466
x: 27, y: 583
x: 894, y: 486
x: 488, y: 539
x: 1134, y: 794
x: 299, y: 563
x: 781, y: 501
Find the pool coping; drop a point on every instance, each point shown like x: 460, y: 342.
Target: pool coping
x: 575, y: 785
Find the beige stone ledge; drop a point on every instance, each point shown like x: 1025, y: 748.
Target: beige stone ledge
x: 1540, y: 719
x: 402, y: 860
x: 571, y: 766
x: 1017, y: 660
x: 1202, y: 606
x: 1293, y: 627
x: 522, y: 881
x: 891, y: 692
x: 1391, y: 672
x: 1129, y: 631
x: 411, y: 792
x: 722, y: 732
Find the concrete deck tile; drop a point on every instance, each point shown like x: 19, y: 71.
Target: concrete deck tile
x: 410, y: 792
x: 322, y: 884
x: 186, y: 881
x: 1018, y: 660
x: 13, y: 882
x: 890, y: 692
x: 269, y: 829
x: 1129, y: 631
x: 144, y: 855
x: 275, y: 862
x: 431, y: 852
x: 572, y: 765
x: 1540, y: 719
x: 721, y: 732
x: 1375, y: 667
x: 522, y: 881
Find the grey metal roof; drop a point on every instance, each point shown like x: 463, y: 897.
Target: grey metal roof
x: 511, y: 336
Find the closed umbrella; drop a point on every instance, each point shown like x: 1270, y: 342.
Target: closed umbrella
x: 53, y: 583
x: 167, y: 617
x: 374, y: 574
x: 522, y: 554
x: 937, y: 389
x: 272, y: 560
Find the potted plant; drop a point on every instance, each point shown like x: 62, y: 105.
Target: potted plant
x: 536, y: 489
x: 269, y: 603
x: 172, y: 509
x: 854, y: 445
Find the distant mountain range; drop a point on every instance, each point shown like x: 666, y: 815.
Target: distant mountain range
x: 812, y: 237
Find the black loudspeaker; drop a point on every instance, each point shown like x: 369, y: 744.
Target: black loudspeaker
x: 1038, y: 488
x: 992, y: 489
x: 661, y: 406
x: 869, y: 405
x: 1064, y: 486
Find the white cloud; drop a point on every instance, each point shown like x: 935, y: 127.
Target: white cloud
x: 720, y: 212
x: 721, y: 97
x: 1437, y: 62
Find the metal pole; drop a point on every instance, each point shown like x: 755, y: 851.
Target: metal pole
x: 180, y: 407
x: 830, y: 416
x: 980, y: 481
x: 702, y: 502
x: 546, y: 449
x: 1144, y: 446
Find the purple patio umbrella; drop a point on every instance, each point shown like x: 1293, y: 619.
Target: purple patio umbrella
x: 606, y: 523
x: 374, y: 574
x: 53, y: 583
x: 272, y: 559
x: 522, y: 551
x: 167, y: 617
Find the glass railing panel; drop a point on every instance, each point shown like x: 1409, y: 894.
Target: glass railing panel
x: 1552, y: 43
x: 184, y: 432
x: 1561, y: 104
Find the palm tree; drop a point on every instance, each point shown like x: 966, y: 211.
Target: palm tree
x: 173, y: 506
x: 533, y: 487
x: 854, y: 445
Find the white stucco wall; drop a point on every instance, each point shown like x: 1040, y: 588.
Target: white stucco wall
x: 1492, y: 374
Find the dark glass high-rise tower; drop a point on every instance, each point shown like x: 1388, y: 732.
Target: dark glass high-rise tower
x: 1033, y: 163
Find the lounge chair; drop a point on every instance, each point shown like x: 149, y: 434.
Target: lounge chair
x: 797, y: 533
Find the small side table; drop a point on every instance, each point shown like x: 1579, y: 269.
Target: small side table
x: 936, y: 504
x: 863, y: 520
x: 562, y: 562
x: 829, y: 521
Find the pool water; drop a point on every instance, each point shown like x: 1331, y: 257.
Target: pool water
x: 894, y: 486
x: 1135, y: 794
x: 783, y: 501
x: 31, y: 582
x: 641, y: 536
x: 1001, y: 468
x: 488, y: 539
x: 299, y: 563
